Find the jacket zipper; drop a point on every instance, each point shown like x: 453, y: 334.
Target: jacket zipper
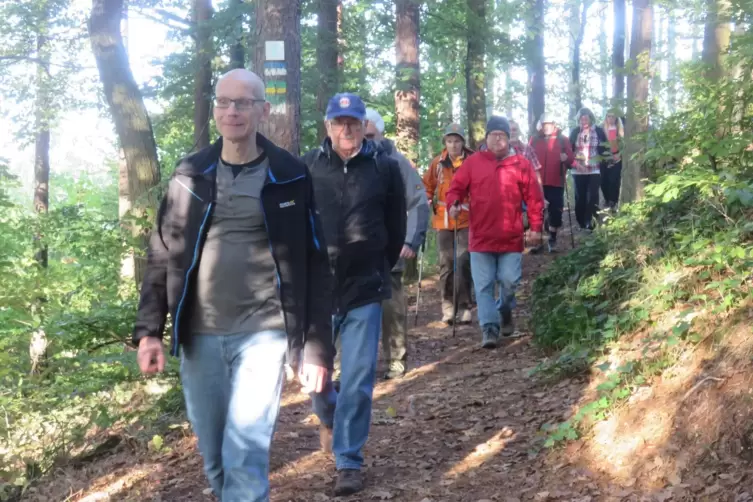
x: 194, y: 260
x: 341, y: 234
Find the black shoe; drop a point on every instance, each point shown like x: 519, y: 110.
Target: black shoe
x: 507, y: 326
x: 490, y: 337
x: 349, y: 481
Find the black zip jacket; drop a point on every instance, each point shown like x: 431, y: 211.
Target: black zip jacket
x: 300, y: 254
x: 362, y: 207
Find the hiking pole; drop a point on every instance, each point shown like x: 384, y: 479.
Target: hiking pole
x: 420, y: 274
x: 455, y: 274
x: 569, y: 212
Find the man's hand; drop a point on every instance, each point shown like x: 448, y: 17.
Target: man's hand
x: 151, y: 355
x: 455, y: 211
x: 533, y: 238
x: 313, y: 378
x: 563, y: 157
x: 407, y: 252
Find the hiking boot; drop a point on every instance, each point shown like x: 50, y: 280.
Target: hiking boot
x: 490, y: 337
x: 465, y: 317
x: 397, y: 370
x: 507, y: 325
x: 552, y: 246
x: 325, y: 438
x: 349, y: 481
x: 448, y: 313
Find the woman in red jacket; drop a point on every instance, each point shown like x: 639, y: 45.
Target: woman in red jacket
x: 498, y: 181
x: 555, y: 155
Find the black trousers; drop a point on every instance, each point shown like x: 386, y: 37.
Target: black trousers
x: 555, y: 197
x: 611, y: 177
x: 586, y: 198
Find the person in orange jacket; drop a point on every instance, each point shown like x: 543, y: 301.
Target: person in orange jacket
x: 437, y: 180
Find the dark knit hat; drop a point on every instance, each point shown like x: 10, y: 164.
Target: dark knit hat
x: 498, y: 124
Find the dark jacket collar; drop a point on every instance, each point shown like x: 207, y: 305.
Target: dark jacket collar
x: 204, y: 162
x: 368, y: 149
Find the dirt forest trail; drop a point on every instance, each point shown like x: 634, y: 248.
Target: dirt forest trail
x: 463, y: 425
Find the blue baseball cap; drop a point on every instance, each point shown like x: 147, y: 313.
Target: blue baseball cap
x: 346, y: 105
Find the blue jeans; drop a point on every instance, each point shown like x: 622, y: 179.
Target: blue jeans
x: 232, y: 385
x: 348, y: 412
x: 487, y: 269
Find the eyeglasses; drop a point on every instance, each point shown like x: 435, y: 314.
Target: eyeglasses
x: 370, y: 136
x: 240, y: 104
x: 497, y: 136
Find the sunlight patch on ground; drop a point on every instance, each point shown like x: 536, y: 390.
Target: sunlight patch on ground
x: 482, y: 453
x: 391, y: 386
x: 106, y: 488
x: 302, y: 468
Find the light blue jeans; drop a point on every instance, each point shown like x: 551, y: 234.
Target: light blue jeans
x: 232, y: 385
x: 348, y: 412
x: 487, y: 269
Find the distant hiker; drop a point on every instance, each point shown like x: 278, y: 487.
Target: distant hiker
x: 611, y: 175
x: 555, y: 154
x: 524, y: 148
x: 395, y: 315
x: 498, y: 181
x: 437, y: 180
x: 233, y: 257
x: 362, y: 205
x: 588, y: 140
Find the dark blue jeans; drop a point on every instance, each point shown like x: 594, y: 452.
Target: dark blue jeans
x: 348, y: 412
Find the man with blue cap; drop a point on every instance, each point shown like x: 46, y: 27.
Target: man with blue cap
x: 361, y: 202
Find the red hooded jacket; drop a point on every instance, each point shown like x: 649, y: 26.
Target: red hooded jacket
x: 548, y: 150
x: 497, y: 189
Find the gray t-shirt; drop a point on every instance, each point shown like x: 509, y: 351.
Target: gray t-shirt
x: 236, y: 284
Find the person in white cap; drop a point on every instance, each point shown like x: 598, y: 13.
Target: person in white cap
x: 394, y: 314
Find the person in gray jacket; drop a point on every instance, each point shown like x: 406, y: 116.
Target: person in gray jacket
x: 395, y: 310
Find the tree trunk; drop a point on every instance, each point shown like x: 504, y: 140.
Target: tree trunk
x: 579, y: 18
x: 603, y: 57
x: 279, y: 22
x: 132, y: 124
x: 618, y: 53
x: 475, y: 72
x: 38, y: 342
x: 671, y: 60
x: 656, y: 57
x: 716, y: 37
x: 408, y: 78
x: 536, y: 64
x: 638, y: 85
x: 202, y: 15
x: 238, y: 49
x: 328, y: 60
x: 408, y: 90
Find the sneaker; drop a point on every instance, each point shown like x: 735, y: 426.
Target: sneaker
x: 507, y: 325
x: 325, y: 438
x: 397, y: 370
x: 349, y: 481
x: 447, y: 313
x: 490, y: 337
x: 465, y: 317
x: 552, y: 246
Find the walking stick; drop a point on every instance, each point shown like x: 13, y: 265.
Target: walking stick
x: 569, y: 212
x: 455, y: 275
x: 420, y: 274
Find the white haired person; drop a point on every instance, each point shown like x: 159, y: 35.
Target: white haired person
x: 394, y: 316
